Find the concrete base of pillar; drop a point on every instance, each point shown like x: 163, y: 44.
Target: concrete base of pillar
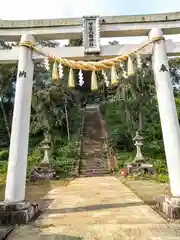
x: 170, y: 206
x: 17, y: 213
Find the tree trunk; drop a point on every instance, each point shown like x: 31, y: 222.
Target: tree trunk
x: 140, y: 120
x: 67, y: 121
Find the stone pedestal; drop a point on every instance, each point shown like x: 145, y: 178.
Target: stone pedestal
x: 17, y: 213
x: 170, y: 206
x: 140, y: 168
x: 44, y: 172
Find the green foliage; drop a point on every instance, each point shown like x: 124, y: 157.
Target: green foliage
x: 162, y: 178
x: 75, y: 117
x: 3, y: 165
x: 124, y: 158
x: 134, y: 107
x: 3, y: 172
x: 33, y: 160
x: 4, y: 155
x: 121, y: 137
x: 160, y: 166
x: 174, y: 64
x: 65, y: 158
x: 117, y: 127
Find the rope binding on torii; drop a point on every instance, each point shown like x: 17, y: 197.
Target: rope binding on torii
x: 57, y: 70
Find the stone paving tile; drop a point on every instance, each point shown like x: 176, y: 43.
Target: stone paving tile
x: 97, y: 208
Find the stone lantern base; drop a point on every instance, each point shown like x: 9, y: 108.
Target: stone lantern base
x: 140, y: 168
x: 170, y: 206
x: 45, y: 171
x: 17, y: 213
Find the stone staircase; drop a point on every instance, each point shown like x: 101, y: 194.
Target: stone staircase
x: 92, y: 163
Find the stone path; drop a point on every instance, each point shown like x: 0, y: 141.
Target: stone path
x: 94, y: 209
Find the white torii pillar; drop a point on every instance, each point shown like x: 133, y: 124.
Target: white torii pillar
x: 18, y: 153
x: 167, y: 111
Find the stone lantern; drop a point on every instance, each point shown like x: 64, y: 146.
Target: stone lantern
x: 45, y: 170
x: 140, y: 165
x: 138, y: 142
x: 46, y: 146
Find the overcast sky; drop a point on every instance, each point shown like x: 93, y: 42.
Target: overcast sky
x: 41, y: 9
x: 36, y: 9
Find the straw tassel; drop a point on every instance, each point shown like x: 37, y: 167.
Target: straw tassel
x: 46, y: 63
x: 106, y: 81
x: 60, y: 70
x: 71, y: 79
x: 94, y: 85
x: 125, y: 74
x: 130, y: 67
x: 55, y: 74
x: 81, y: 78
x: 114, y: 78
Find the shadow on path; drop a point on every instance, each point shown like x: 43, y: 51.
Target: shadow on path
x: 60, y: 237
x: 94, y: 207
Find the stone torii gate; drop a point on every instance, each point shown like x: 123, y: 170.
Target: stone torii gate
x: 153, y: 26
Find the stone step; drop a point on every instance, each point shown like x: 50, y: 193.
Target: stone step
x: 92, y: 123
x: 89, y: 148
x: 89, y: 163
x: 85, y: 171
x: 94, y: 161
x: 88, y: 171
x: 96, y: 128
x: 93, y: 130
x: 93, y: 145
x: 86, y: 138
x: 96, y: 174
x: 93, y: 167
x: 92, y: 156
x: 102, y: 166
x: 90, y: 151
x: 93, y: 140
x: 90, y: 143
